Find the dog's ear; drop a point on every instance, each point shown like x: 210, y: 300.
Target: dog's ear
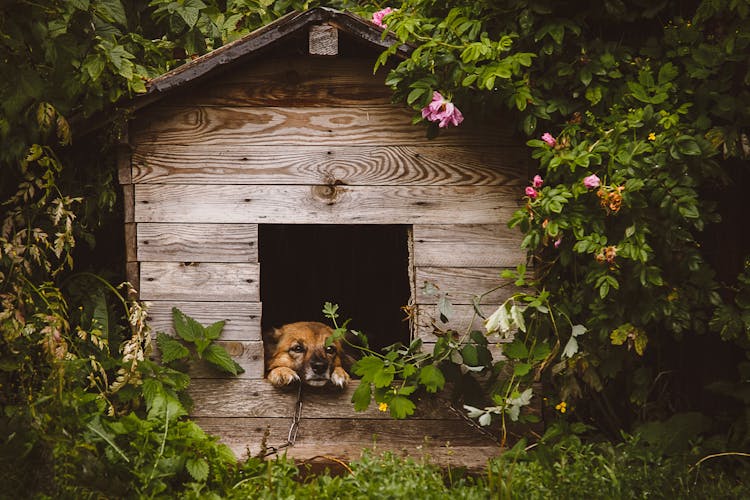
x: 270, y: 340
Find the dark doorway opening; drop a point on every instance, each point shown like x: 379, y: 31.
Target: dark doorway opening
x: 362, y: 268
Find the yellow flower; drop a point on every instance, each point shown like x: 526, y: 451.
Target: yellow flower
x: 383, y: 407
x: 652, y: 136
x: 562, y: 407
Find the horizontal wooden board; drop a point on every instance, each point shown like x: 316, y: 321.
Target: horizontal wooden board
x: 462, y: 283
x: 292, y: 81
x: 242, y: 319
x: 249, y: 355
x: 462, y: 319
x: 198, y: 242
x: 324, y: 204
x: 258, y: 398
x: 197, y: 126
x: 496, y: 350
x: 196, y: 281
x: 436, y: 441
x: 456, y: 245
x: 349, y: 165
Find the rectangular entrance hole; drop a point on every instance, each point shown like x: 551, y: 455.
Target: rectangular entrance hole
x: 362, y: 268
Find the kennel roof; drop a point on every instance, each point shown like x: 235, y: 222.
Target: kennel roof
x: 239, y: 51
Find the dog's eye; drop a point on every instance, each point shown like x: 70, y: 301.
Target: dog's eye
x: 297, y: 348
x: 330, y: 349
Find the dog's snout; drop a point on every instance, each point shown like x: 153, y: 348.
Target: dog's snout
x: 319, y: 365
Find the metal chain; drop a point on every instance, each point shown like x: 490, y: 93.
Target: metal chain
x: 292, y: 436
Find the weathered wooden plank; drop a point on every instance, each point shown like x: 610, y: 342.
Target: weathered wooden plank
x: 249, y: 355
x: 128, y: 201
x: 131, y: 243
x: 122, y: 157
x: 456, y: 245
x: 242, y: 319
x: 463, y: 320
x: 292, y: 81
x: 462, y: 284
x: 133, y: 275
x: 323, y: 40
x: 224, y: 126
x: 192, y: 281
x: 495, y: 348
x: 198, y: 242
x: 436, y: 441
x: 258, y: 398
x: 324, y: 204
x: 350, y: 165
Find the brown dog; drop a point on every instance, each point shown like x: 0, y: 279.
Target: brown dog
x: 299, y: 352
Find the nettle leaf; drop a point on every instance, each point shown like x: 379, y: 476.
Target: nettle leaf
x: 186, y: 327
x: 401, y: 407
x: 432, y: 378
x: 197, y: 468
x: 213, y: 331
x: 362, y: 396
x: 171, y: 349
x: 220, y: 358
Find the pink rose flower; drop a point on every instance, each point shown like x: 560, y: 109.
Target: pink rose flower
x: 551, y: 141
x: 531, y: 192
x: 558, y: 241
x: 377, y: 17
x: 442, y: 111
x: 537, y: 182
x: 592, y: 181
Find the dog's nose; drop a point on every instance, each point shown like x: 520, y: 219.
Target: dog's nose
x: 319, y: 366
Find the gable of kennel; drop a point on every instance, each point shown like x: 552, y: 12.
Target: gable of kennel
x: 289, y: 126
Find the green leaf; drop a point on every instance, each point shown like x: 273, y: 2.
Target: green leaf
x: 469, y: 355
x: 367, y: 367
x: 111, y: 11
x: 516, y: 350
x: 197, y: 468
x: 171, y: 349
x: 688, y: 146
x: 401, y: 407
x: 521, y: 369
x: 384, y: 376
x: 220, y: 358
x: 432, y: 378
x: 186, y: 327
x: 213, y: 331
x: 362, y: 396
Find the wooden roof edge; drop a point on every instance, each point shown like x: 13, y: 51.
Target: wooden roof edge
x: 233, y: 52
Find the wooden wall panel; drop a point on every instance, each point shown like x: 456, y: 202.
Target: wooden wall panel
x: 455, y: 245
x: 165, y: 242
x: 233, y: 282
x: 249, y: 355
x: 258, y: 398
x: 324, y: 204
x: 242, y: 319
x: 293, y: 81
x: 454, y: 443
x: 462, y: 284
x: 463, y: 319
x: 227, y: 126
x: 335, y: 164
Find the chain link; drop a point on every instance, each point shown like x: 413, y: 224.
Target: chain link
x: 292, y: 436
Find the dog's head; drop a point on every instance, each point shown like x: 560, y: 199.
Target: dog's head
x: 302, y: 348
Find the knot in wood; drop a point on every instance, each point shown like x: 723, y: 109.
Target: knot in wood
x: 327, y: 193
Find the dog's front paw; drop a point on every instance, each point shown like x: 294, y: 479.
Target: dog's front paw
x: 282, y: 376
x: 339, y: 377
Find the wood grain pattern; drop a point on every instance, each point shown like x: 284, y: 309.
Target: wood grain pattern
x: 242, y: 319
x: 258, y: 398
x: 128, y: 202
x: 462, y: 284
x: 340, y: 164
x: 225, y: 126
x: 133, y: 275
x: 292, y: 81
x: 324, y: 204
x: 198, y: 242
x: 231, y: 282
x: 456, y: 245
x: 131, y: 243
x: 249, y: 355
x: 463, y: 319
x: 435, y: 441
